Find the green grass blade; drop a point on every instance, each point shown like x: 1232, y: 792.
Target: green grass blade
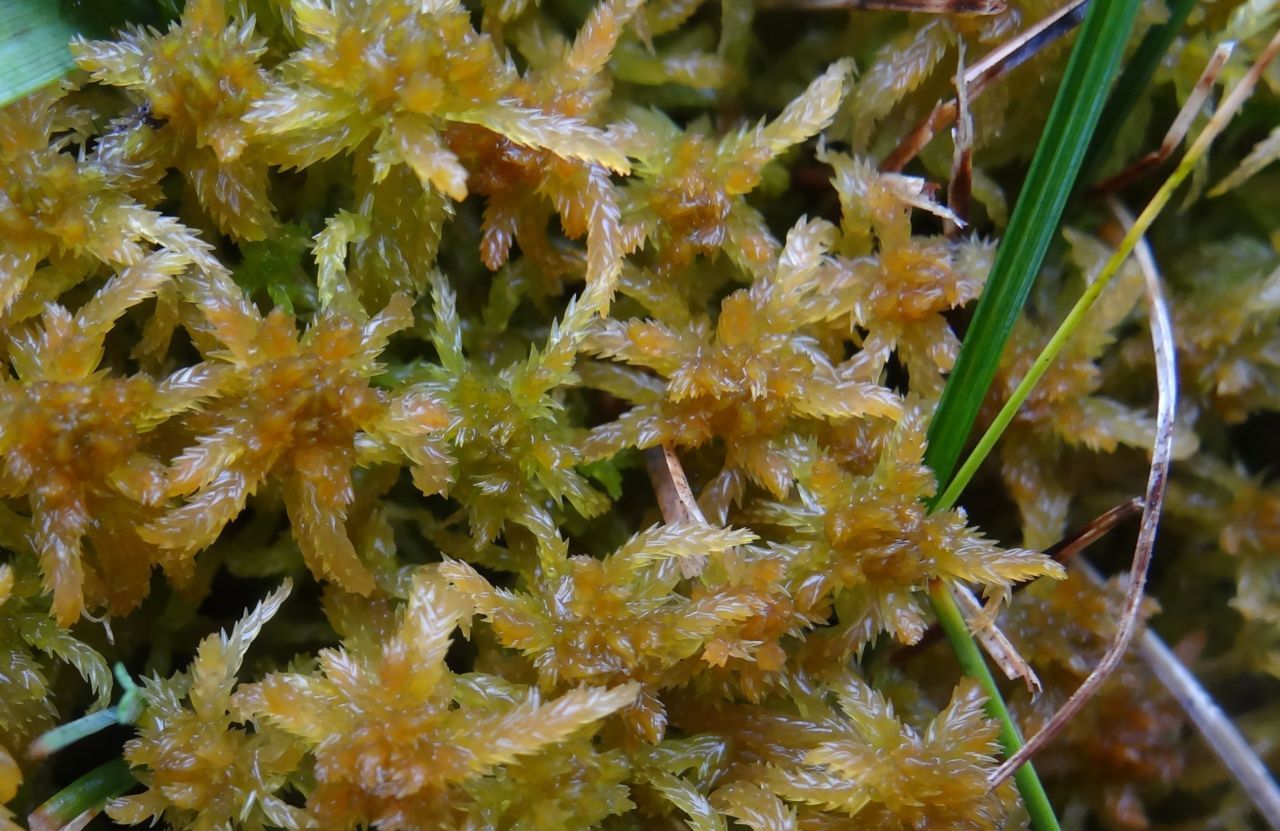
x: 1133, y: 80
x: 33, y: 47
x: 65, y: 735
x: 1049, y: 183
x: 1039, y: 809
x: 34, y: 36
x: 1072, y: 120
x: 1075, y: 317
x: 85, y: 796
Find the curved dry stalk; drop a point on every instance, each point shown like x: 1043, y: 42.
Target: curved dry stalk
x: 1005, y: 58
x: 1157, y: 480
x: 1215, y: 728
x: 1178, y: 129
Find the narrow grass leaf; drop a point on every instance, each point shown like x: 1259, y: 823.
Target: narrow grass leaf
x: 1074, y: 115
x: 1221, y: 117
x: 33, y: 47
x: 64, y: 735
x: 80, y: 801
x: 1137, y: 74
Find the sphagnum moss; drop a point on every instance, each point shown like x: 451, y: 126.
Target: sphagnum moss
x: 546, y: 237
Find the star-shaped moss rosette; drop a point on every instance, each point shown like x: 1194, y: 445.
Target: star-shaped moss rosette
x: 298, y: 408
x: 754, y: 380
x: 688, y: 195
x: 197, y: 80
x: 865, y: 545
x: 399, y: 739
x: 204, y: 761
x: 397, y: 73
x: 74, y: 438
x: 618, y: 619
x: 64, y: 215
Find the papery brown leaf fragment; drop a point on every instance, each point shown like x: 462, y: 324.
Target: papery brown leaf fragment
x: 675, y: 497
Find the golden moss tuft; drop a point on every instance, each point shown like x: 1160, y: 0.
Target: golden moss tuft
x: 399, y: 300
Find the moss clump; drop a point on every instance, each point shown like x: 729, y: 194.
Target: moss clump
x: 386, y: 298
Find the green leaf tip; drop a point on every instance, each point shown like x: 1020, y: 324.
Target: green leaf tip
x: 33, y: 47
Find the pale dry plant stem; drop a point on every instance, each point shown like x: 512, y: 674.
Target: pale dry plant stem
x: 976, y: 78
x: 1157, y: 480
x: 676, y: 501
x: 994, y: 641
x: 1215, y: 728
x: 960, y: 188
x: 1178, y: 129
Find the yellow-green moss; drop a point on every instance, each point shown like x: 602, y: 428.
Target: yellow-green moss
x: 383, y: 296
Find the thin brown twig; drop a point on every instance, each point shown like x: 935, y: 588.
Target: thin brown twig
x: 1017, y: 50
x: 1157, y: 479
x: 942, y: 116
x: 1177, y: 130
x: 1000, y: 61
x: 1065, y: 550
x: 675, y: 498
